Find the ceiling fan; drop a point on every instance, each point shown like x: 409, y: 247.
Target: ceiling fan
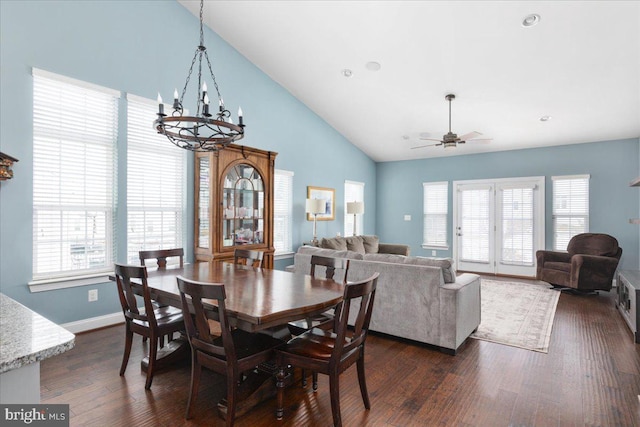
x: 450, y: 139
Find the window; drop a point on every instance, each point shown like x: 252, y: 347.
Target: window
x: 353, y: 192
x: 282, y: 212
x: 155, y: 184
x: 570, y: 208
x: 436, y: 212
x: 75, y: 127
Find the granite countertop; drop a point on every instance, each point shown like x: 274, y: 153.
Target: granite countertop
x: 27, y: 337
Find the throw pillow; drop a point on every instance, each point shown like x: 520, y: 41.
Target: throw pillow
x: 355, y: 244
x: 371, y: 244
x: 337, y: 243
x: 446, y: 264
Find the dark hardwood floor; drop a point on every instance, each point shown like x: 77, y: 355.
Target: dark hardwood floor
x: 590, y: 377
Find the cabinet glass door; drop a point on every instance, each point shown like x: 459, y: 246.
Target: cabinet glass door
x: 242, y: 206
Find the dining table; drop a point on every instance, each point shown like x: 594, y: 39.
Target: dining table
x: 258, y: 300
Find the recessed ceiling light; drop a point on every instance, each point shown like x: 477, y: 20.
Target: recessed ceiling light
x: 545, y: 118
x: 531, y: 20
x: 347, y: 72
x: 373, y: 66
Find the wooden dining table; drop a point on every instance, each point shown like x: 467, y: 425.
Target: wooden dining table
x: 257, y: 300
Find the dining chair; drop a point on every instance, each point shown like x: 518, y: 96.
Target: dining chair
x: 233, y: 353
x: 332, y: 352
x: 161, y: 256
x: 248, y: 257
x: 322, y: 320
x: 155, y: 323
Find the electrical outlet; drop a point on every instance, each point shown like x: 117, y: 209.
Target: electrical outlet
x: 93, y: 295
x: 433, y: 253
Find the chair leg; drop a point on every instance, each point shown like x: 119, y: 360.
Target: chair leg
x: 128, y: 341
x: 232, y: 394
x: 363, y: 382
x: 196, y: 371
x: 314, y: 376
x: 334, y: 391
x: 304, y: 377
x: 153, y: 351
x: 280, y: 390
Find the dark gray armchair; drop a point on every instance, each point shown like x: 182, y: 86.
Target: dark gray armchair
x: 588, y: 265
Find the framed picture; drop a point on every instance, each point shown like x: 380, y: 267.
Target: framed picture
x: 328, y: 195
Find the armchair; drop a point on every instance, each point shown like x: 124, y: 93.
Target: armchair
x: 588, y: 265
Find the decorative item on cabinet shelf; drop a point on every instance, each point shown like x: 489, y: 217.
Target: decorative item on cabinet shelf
x: 6, y: 161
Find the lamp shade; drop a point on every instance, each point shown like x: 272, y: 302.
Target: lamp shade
x: 355, y: 207
x: 315, y: 206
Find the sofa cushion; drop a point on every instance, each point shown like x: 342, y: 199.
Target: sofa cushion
x: 561, y: 266
x: 446, y: 264
x: 371, y: 244
x: 355, y: 244
x: 312, y: 250
x: 337, y: 243
x: 396, y: 259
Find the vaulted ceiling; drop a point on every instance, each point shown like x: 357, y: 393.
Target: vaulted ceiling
x: 579, y: 65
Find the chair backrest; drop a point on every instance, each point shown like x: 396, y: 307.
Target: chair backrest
x: 128, y: 301
x: 365, y: 292
x: 594, y: 244
x: 198, y: 326
x: 331, y: 264
x: 248, y: 257
x: 161, y: 256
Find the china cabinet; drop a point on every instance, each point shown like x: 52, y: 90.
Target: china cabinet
x: 234, y: 203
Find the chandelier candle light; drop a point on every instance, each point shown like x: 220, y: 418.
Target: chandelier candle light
x: 315, y: 207
x: 202, y: 131
x: 355, y: 208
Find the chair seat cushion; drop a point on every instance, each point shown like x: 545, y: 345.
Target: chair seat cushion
x: 561, y: 266
x: 315, y: 343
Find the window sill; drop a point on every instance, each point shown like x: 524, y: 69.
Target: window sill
x: 283, y: 255
x: 438, y: 248
x: 43, y: 285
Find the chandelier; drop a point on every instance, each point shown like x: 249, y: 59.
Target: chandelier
x: 203, y: 131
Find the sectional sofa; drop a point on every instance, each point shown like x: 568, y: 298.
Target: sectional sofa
x: 417, y: 298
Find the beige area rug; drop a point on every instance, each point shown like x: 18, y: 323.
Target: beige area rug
x: 517, y: 314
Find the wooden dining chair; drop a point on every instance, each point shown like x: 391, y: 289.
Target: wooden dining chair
x: 248, y: 257
x: 155, y: 323
x: 332, y: 352
x: 231, y: 354
x: 161, y: 255
x: 322, y: 320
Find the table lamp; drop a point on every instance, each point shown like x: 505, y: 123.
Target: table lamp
x: 315, y: 207
x: 355, y: 208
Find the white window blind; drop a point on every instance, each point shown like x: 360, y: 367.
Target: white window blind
x: 517, y: 225
x: 436, y: 212
x: 353, y: 192
x: 283, y: 211
x: 155, y: 184
x: 475, y: 221
x: 570, y: 208
x: 75, y: 126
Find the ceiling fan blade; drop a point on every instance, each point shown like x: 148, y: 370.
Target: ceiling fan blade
x: 470, y: 135
x: 428, y: 145
x: 430, y: 139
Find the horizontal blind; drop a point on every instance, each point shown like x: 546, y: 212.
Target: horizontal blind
x: 435, y: 209
x: 353, y: 192
x: 75, y: 130
x: 517, y: 225
x: 283, y: 211
x: 475, y: 221
x: 155, y: 184
x: 570, y: 208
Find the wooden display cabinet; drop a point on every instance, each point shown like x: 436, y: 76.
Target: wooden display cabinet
x: 234, y: 203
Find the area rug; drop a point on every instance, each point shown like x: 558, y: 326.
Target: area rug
x: 517, y: 314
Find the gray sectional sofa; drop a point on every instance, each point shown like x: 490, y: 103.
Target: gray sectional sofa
x: 421, y: 299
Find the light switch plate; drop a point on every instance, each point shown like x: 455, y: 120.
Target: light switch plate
x: 407, y: 217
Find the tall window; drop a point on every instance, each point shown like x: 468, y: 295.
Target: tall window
x: 155, y: 183
x: 282, y: 211
x: 75, y: 126
x: 353, y: 192
x: 436, y: 212
x: 570, y: 208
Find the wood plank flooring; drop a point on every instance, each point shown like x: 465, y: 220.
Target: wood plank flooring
x: 590, y: 377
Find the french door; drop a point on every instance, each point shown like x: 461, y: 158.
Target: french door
x: 498, y: 225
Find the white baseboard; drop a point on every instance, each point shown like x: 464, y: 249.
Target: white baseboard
x: 94, y: 323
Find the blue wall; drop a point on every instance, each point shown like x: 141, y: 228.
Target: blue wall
x: 611, y: 165
x: 142, y: 47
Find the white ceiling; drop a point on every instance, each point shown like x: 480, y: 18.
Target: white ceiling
x: 580, y: 65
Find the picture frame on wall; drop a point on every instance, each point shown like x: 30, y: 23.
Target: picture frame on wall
x: 329, y: 197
